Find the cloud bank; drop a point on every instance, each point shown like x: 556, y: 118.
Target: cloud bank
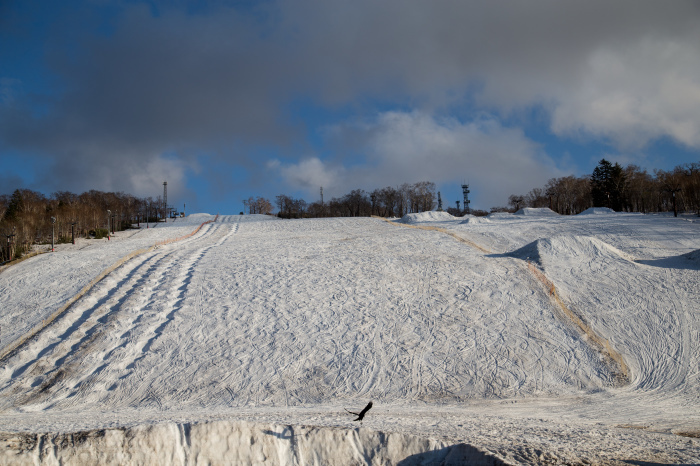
x: 410, y: 147
x: 423, y: 87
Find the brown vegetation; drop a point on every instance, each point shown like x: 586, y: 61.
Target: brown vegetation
x: 629, y: 189
x: 25, y: 217
x: 384, y: 202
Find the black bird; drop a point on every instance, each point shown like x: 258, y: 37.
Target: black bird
x: 361, y: 414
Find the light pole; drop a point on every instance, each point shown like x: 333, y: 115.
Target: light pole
x: 9, y: 247
x: 673, y: 194
x: 12, y: 243
x: 109, y: 216
x: 53, y: 230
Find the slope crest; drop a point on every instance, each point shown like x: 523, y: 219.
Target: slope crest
x: 536, y: 212
x: 597, y: 211
x: 565, y: 248
x: 431, y: 216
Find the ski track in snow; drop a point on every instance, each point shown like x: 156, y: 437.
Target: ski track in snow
x: 257, y: 313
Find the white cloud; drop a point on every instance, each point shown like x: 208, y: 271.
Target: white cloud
x: 627, y: 72
x: 635, y: 94
x: 497, y: 161
x: 407, y: 147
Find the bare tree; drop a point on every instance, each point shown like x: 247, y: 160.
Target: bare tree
x: 515, y: 201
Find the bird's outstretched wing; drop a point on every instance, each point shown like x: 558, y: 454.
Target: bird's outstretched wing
x: 362, y: 413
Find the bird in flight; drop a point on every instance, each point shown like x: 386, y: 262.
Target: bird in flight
x: 361, y: 414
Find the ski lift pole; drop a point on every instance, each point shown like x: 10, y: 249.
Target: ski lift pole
x: 53, y: 232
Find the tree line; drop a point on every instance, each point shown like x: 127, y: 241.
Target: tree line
x: 385, y: 202
x: 25, y: 216
x: 628, y: 189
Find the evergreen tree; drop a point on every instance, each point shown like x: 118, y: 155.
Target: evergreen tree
x: 608, y: 185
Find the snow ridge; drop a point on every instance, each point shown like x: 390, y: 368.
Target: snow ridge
x: 223, y: 442
x: 286, y: 323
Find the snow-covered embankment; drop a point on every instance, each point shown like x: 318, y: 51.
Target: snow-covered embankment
x: 234, y: 443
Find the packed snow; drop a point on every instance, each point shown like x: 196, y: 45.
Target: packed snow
x: 424, y: 217
x: 597, y: 211
x: 536, y: 212
x: 246, y: 342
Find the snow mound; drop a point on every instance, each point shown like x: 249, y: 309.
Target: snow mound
x: 597, y: 211
x: 225, y: 442
x: 529, y: 252
x: 495, y: 215
x: 200, y: 217
x: 424, y: 217
x: 690, y: 260
x: 693, y: 256
x: 471, y: 220
x: 536, y: 212
x: 570, y: 248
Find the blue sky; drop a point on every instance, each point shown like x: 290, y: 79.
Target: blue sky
x: 230, y: 99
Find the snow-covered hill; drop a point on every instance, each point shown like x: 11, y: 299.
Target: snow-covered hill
x: 288, y: 322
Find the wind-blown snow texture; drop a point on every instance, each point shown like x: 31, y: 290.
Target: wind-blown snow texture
x: 287, y: 322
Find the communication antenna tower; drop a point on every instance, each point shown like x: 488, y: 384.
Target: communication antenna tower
x: 465, y: 191
x: 165, y: 198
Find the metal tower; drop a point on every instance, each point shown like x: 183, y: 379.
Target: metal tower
x: 465, y: 191
x: 165, y: 199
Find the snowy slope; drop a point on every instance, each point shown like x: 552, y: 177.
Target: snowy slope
x: 288, y: 322
x: 32, y: 289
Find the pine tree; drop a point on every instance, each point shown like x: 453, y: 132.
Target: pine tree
x: 14, y: 210
x: 608, y: 185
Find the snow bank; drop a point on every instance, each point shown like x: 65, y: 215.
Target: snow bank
x: 64, y: 273
x: 234, y: 443
x: 689, y: 261
x: 432, y: 216
x: 693, y: 256
x: 536, y: 212
x: 597, y: 211
x: 495, y: 215
x: 472, y: 220
x: 559, y: 248
x: 198, y: 218
x: 692, y: 259
x: 581, y: 246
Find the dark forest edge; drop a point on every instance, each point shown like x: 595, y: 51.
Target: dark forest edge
x: 25, y: 216
x: 628, y: 189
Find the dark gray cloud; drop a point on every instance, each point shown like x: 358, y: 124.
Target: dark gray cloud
x: 425, y: 48
x: 157, y: 90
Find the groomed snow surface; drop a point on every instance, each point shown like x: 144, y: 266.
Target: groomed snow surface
x: 244, y: 343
